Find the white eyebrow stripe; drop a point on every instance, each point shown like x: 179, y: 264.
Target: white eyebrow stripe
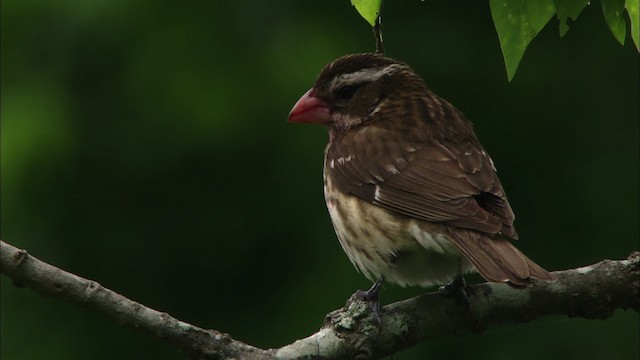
x: 364, y: 75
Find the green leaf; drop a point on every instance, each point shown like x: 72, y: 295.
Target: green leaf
x: 368, y: 9
x: 517, y: 23
x: 634, y: 16
x: 568, y: 9
x: 613, y: 10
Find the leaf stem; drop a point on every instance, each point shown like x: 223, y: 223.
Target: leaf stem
x: 377, y: 31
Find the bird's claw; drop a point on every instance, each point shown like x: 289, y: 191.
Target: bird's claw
x: 372, y: 297
x: 458, y: 289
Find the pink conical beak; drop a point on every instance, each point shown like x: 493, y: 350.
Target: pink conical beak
x: 310, y: 109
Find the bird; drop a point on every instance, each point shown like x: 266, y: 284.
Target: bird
x: 413, y: 196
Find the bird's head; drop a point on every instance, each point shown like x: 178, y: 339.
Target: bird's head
x: 351, y: 89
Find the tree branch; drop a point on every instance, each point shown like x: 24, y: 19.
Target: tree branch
x: 592, y: 292
x: 26, y: 270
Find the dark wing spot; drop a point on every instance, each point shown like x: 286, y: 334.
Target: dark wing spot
x: 482, y: 199
x: 487, y: 201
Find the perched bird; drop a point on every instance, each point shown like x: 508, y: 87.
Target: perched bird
x: 413, y: 196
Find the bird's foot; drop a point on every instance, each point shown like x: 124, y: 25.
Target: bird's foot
x: 458, y: 289
x: 372, y: 296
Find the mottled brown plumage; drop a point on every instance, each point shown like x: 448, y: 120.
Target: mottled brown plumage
x: 413, y: 195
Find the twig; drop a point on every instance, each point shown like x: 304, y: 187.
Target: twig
x: 377, y: 31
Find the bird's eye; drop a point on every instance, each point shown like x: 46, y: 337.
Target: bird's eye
x: 345, y: 92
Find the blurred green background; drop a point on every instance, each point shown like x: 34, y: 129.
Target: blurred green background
x: 145, y: 146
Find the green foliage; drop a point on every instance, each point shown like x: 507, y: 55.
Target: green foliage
x: 518, y: 22
x: 634, y: 17
x: 368, y: 9
x: 613, y: 15
x: 568, y: 9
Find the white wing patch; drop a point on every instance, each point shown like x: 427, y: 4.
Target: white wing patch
x: 392, y: 169
x: 344, y: 160
x: 341, y: 161
x: 493, y: 166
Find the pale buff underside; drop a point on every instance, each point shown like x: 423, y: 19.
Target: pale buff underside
x: 400, y: 250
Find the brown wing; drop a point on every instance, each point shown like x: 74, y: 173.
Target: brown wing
x: 438, y: 181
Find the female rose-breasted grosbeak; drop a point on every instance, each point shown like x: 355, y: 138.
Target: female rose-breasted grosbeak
x: 413, y: 196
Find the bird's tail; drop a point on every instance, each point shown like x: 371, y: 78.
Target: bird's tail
x: 496, y: 259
